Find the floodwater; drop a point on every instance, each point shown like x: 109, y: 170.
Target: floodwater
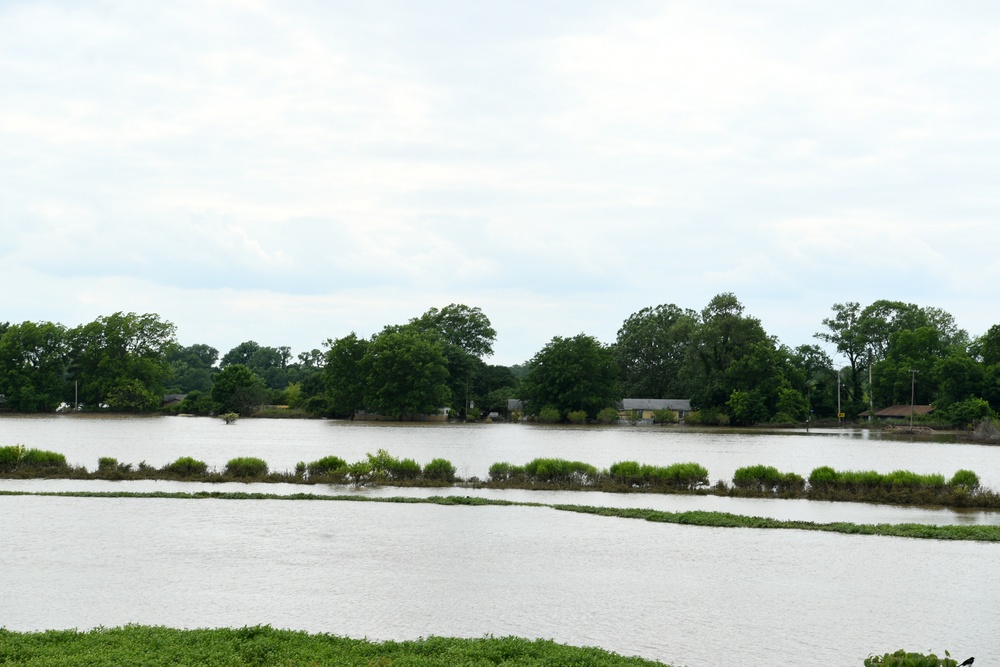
x: 684, y: 595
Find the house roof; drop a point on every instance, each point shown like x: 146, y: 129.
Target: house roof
x: 657, y: 404
x: 901, y: 411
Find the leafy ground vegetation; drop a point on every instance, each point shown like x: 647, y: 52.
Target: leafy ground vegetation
x: 900, y: 487
x: 265, y: 646
x: 985, y: 533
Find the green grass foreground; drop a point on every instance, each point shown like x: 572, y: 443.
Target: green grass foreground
x: 692, y: 518
x: 265, y: 646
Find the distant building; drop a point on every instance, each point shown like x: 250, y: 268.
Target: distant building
x: 899, y: 411
x: 172, y: 399
x: 643, y: 408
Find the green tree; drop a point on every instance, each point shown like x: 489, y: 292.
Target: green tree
x: 908, y: 351
x: 32, y: 365
x: 238, y: 389
x: 191, y: 368
x: 845, y: 330
x: 464, y: 326
x: 407, y: 374
x: 570, y: 374
x: 345, y: 375
x: 117, y: 348
x: 651, y: 349
x: 725, y: 337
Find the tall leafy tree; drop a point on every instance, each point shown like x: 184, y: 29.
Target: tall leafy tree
x: 238, y: 389
x: 192, y: 368
x: 345, y: 376
x: 406, y: 374
x: 571, y: 374
x: 464, y: 326
x: 651, y: 349
x: 726, y: 336
x: 120, y: 360
x: 32, y: 366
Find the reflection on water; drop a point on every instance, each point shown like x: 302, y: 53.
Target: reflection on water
x: 684, y: 595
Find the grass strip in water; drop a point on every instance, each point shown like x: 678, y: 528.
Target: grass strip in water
x: 693, y: 518
x: 263, y: 645
x: 727, y: 520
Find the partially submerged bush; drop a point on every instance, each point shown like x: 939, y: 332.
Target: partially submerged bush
x: 39, y: 458
x: 10, y: 456
x: 440, y: 470
x: 326, y: 466
x: 577, y: 417
x: 107, y: 464
x: 903, y: 659
x: 665, y: 416
x: 246, y: 466
x: 502, y: 472
x: 186, y: 466
x: 767, y: 479
x: 608, y: 416
x: 560, y: 471
x: 965, y: 479
x: 678, y: 475
x: 549, y: 415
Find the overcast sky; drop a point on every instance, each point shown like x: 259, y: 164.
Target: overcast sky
x: 288, y: 172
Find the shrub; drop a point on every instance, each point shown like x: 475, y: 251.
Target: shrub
x: 627, y: 472
x: 185, y: 466
x: 516, y: 415
x: 608, y: 416
x: 10, y: 456
x: 404, y: 469
x: 823, y: 477
x: 440, y: 470
x: 505, y: 472
x: 246, y: 466
x: 381, y: 463
x: 107, y: 464
x: 966, y: 479
x: 326, y: 466
x: 760, y: 476
x: 665, y: 416
x: 577, y: 417
x: 560, y: 471
x: 359, y: 472
x: 473, y: 414
x: 968, y: 412
x: 903, y: 659
x: 229, y: 417
x: 38, y: 458
x: 688, y: 475
x: 549, y: 415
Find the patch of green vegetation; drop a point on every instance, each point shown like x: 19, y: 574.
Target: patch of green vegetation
x: 263, y: 645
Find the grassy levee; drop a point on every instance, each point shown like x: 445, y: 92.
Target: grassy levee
x: 694, y: 518
x: 263, y: 645
x: 727, y: 520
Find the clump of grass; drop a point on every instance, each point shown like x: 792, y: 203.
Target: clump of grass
x: 41, y: 459
x: 246, y: 467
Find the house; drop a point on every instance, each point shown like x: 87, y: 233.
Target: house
x: 899, y: 411
x: 643, y: 408
x: 170, y: 400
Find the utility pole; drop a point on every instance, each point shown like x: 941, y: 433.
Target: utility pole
x: 840, y: 420
x: 913, y: 387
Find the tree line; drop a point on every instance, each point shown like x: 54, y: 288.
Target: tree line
x: 720, y: 358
